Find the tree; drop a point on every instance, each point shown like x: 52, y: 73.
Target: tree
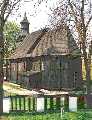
x: 6, y: 7
x: 78, y: 15
x: 11, y: 33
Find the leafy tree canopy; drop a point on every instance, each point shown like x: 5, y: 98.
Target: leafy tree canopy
x: 11, y: 33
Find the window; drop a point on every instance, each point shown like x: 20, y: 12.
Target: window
x: 36, y: 66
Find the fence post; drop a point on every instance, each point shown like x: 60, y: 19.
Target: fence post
x: 51, y: 103
x: 66, y: 103
x: 24, y: 102
x: 58, y: 103
x: 29, y: 103
x: 15, y: 102
x: 19, y: 102
x: 11, y: 101
x: 33, y: 103
x: 45, y: 103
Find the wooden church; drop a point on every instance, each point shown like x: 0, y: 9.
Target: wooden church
x: 46, y: 59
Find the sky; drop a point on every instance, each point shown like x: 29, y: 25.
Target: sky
x: 37, y: 16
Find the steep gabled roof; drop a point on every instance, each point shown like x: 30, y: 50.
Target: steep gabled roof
x: 24, y: 46
x: 56, y: 42
x: 43, y: 42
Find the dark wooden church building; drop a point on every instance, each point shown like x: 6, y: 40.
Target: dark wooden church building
x: 46, y: 59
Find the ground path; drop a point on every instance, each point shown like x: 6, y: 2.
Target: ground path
x: 14, y: 88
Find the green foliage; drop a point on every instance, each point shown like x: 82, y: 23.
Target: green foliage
x: 80, y: 115
x: 11, y: 31
x: 84, y: 71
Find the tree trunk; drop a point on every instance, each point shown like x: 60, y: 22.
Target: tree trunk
x: 87, y: 63
x: 1, y: 68
x: 87, y: 68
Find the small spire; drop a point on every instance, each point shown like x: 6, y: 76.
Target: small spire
x: 25, y: 16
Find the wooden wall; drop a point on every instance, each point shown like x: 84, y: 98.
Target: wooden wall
x: 61, y: 72
x: 53, y: 73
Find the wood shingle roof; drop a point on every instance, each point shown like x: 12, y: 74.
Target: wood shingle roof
x: 43, y: 42
x: 24, y: 46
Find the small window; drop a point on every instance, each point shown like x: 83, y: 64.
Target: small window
x: 36, y: 66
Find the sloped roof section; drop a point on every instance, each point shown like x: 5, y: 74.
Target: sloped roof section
x: 23, y: 47
x: 46, y: 42
x: 56, y: 42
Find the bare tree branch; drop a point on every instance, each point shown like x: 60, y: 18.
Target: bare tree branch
x: 4, y: 7
x: 73, y: 12
x: 82, y: 14
x: 88, y: 21
x: 10, y: 10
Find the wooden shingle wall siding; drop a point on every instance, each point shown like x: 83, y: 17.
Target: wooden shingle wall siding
x: 28, y: 64
x: 58, y: 73
x: 21, y: 68
x: 17, y: 70
x: 64, y: 72
x: 77, y: 67
x: 52, y: 74
x: 55, y: 73
x: 14, y: 72
x: 75, y: 73
x: 35, y: 81
x: 9, y: 72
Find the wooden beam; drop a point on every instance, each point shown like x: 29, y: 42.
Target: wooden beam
x: 17, y: 71
x: 10, y: 72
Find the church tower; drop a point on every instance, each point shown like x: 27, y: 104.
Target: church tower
x: 25, y: 25
x: 24, y: 28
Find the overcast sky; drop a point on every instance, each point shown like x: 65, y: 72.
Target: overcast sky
x: 37, y: 16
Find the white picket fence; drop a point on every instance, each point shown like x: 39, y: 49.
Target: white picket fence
x: 40, y: 104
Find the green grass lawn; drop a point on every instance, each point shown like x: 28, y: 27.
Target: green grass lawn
x: 80, y: 115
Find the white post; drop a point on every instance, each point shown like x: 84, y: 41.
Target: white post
x: 62, y: 101
x: 6, y: 105
x: 73, y: 104
x: 40, y: 104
